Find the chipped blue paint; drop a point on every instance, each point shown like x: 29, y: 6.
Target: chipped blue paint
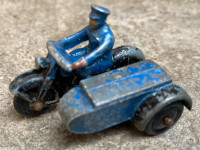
x: 131, y: 70
x: 110, y: 98
x: 108, y: 80
x: 115, y: 71
x: 79, y: 99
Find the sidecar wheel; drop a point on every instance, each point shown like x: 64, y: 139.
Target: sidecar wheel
x: 164, y: 119
x: 25, y: 108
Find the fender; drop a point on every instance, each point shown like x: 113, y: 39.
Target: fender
x: 157, y: 101
x: 25, y: 82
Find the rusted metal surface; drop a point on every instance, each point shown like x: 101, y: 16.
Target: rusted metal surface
x: 37, y: 105
x: 168, y: 121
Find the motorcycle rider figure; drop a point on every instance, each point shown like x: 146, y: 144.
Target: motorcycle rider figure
x: 96, y: 57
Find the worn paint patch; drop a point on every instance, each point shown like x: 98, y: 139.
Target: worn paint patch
x: 123, y: 82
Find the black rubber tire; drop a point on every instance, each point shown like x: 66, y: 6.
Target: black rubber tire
x: 156, y: 124
x: 125, y: 55
x: 23, y: 107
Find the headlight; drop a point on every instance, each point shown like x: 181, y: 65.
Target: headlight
x: 41, y: 63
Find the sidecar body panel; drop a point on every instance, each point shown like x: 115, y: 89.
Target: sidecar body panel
x: 110, y: 98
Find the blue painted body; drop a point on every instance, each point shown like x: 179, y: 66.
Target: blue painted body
x: 108, y: 99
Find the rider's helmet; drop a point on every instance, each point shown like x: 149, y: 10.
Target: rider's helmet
x: 99, y: 13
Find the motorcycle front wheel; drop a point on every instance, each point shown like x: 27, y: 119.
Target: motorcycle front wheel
x: 33, y: 109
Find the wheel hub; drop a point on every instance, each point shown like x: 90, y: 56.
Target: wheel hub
x: 37, y: 106
x: 168, y: 121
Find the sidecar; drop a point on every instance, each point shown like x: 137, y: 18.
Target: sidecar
x: 141, y: 92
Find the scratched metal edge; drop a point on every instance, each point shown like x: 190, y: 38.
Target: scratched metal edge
x: 125, y: 97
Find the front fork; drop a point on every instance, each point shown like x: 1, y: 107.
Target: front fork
x: 48, y: 77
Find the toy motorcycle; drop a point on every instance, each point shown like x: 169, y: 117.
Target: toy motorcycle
x: 39, y: 89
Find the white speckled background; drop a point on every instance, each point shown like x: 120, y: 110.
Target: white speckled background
x: 167, y: 31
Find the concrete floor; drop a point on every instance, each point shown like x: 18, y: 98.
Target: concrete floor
x: 167, y: 31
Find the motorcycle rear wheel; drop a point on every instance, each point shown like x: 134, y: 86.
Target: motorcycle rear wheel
x: 25, y: 108
x: 125, y: 55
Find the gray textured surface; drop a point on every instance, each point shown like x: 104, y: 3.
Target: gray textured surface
x: 168, y: 33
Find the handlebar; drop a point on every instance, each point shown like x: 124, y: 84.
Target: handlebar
x: 61, y: 57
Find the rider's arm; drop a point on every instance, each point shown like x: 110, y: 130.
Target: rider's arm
x: 74, y: 39
x: 95, y: 54
x: 100, y: 50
